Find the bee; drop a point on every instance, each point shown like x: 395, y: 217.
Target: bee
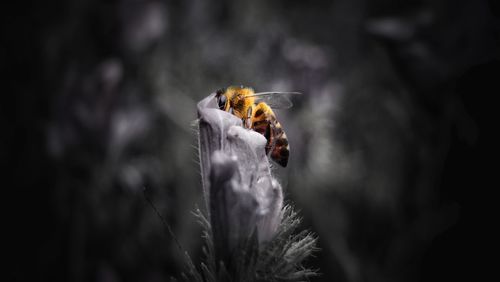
x: 255, y: 111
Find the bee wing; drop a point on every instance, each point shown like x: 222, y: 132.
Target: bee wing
x: 275, y: 100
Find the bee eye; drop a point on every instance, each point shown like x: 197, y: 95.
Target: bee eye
x: 222, y: 102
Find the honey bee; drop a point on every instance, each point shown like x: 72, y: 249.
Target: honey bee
x: 255, y: 111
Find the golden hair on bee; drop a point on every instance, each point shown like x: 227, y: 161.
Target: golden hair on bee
x: 254, y: 109
x: 236, y: 100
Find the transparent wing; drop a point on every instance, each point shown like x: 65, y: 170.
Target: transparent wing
x: 275, y: 100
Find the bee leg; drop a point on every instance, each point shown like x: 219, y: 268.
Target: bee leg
x: 271, y: 139
x: 248, y: 120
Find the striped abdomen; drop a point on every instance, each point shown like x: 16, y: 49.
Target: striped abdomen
x: 264, y: 121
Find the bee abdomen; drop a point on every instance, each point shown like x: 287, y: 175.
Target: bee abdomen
x: 281, y: 149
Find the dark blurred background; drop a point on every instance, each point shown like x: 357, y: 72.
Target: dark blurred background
x: 393, y: 146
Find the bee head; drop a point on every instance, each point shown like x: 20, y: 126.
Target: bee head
x: 221, y: 98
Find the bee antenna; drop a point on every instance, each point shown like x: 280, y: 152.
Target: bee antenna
x: 220, y: 91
